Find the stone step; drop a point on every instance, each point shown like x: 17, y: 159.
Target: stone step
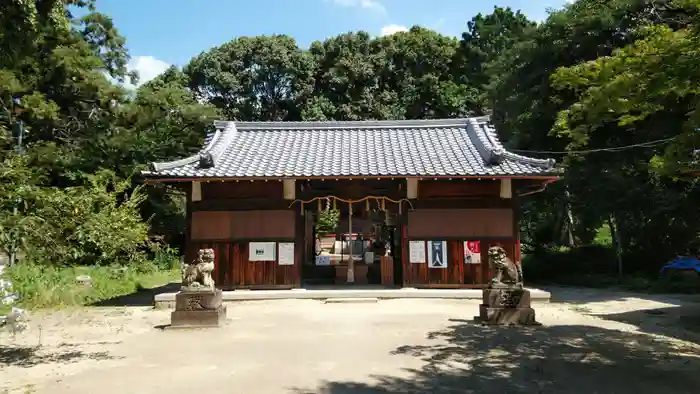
x: 350, y: 300
x: 167, y: 300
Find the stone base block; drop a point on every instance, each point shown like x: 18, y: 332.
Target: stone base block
x: 198, y: 309
x: 506, y: 306
x: 506, y: 298
x: 507, y: 316
x: 198, y: 318
x: 196, y: 300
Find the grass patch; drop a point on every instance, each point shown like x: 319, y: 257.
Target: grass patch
x: 42, y: 286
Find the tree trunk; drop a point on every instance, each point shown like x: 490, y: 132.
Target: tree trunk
x: 569, y: 220
x: 615, y: 234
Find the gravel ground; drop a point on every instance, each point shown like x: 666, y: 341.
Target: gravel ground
x: 591, y: 341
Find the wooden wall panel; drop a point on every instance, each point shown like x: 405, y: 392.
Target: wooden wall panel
x: 263, y: 224
x: 210, y: 225
x: 428, y: 189
x: 419, y: 274
x: 458, y: 274
x: 229, y: 225
x: 241, y: 190
x: 460, y: 223
x: 233, y: 270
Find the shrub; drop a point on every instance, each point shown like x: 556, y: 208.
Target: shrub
x: 570, y: 264
x: 97, y: 222
x: 327, y: 220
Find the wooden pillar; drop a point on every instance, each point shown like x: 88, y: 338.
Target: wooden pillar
x: 300, y: 222
x: 516, y: 230
x: 506, y: 188
x: 190, y: 252
x: 351, y: 262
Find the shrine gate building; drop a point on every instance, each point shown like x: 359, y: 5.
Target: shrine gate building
x: 410, y: 203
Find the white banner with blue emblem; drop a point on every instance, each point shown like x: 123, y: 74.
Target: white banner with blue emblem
x: 437, y: 254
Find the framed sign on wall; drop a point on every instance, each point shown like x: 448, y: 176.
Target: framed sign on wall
x: 285, y: 253
x: 437, y: 254
x: 261, y: 251
x: 472, y: 252
x: 416, y: 252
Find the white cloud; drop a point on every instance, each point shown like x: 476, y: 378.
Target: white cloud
x: 391, y: 29
x: 373, y: 5
x: 148, y: 68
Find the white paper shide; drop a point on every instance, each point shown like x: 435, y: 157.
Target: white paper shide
x: 261, y: 251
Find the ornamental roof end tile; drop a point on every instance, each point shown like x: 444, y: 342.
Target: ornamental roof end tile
x: 436, y: 147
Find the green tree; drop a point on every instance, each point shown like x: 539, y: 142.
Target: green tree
x: 578, y: 107
x: 485, y: 46
x: 254, y: 78
x: 419, y: 68
x: 347, y: 82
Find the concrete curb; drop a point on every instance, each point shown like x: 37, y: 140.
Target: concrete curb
x: 167, y: 300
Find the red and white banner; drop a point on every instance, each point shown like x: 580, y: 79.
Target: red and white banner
x: 472, y: 252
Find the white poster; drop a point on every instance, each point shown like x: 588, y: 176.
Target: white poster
x: 323, y: 260
x: 437, y: 254
x: 285, y: 253
x: 416, y: 251
x: 472, y: 252
x: 261, y: 251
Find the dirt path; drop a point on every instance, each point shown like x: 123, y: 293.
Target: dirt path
x: 603, y: 344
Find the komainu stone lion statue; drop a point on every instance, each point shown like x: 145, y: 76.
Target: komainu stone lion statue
x: 506, y: 273
x: 196, y: 276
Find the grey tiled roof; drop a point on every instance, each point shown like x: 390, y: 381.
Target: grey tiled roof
x: 442, y: 147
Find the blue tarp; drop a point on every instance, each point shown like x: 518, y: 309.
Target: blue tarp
x: 683, y: 263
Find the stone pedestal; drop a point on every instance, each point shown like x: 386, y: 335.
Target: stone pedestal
x: 198, y: 309
x: 506, y: 307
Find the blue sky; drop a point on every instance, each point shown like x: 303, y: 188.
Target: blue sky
x: 164, y: 32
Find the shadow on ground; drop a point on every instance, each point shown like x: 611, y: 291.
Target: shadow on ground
x: 23, y: 356
x: 583, y: 295
x: 680, y: 322
x: 139, y: 298
x: 470, y: 358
